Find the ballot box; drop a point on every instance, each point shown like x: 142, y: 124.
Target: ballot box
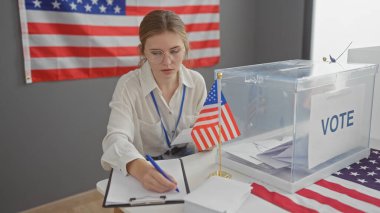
x: 300, y: 121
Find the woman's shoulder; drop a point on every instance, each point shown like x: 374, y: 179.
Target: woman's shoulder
x: 195, y: 76
x: 130, y: 78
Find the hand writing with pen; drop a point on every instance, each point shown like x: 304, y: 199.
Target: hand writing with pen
x: 150, y: 177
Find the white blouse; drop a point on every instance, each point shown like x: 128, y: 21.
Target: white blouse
x: 134, y: 127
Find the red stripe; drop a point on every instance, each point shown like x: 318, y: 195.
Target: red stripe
x: 78, y: 73
x: 349, y: 192
x: 49, y: 52
x: 142, y: 11
x: 202, y: 62
x: 227, y: 125
x: 36, y: 28
x: 327, y: 201
x: 207, y: 118
x: 204, y: 44
x: 207, y: 110
x: 278, y: 199
x: 71, y: 51
x: 75, y: 29
x: 232, y: 119
x: 204, y: 126
x: 202, y: 27
x: 195, y: 140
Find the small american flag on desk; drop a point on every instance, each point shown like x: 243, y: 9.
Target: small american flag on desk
x: 75, y: 39
x: 355, y: 188
x: 205, y: 132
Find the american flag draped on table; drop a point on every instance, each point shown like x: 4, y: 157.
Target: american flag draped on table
x: 205, y: 132
x: 75, y: 39
x: 355, y: 188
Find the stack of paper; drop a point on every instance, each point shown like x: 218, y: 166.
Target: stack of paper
x: 217, y: 194
x: 276, y: 153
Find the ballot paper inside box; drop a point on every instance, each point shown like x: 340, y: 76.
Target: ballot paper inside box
x: 300, y: 120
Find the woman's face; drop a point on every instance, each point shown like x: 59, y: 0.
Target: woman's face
x: 165, y: 53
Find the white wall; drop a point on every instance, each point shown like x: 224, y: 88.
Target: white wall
x: 338, y: 22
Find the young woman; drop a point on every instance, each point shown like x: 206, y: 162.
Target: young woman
x: 152, y: 104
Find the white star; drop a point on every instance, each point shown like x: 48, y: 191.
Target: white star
x: 377, y: 168
x: 377, y: 180
x: 37, y: 3
x: 94, y: 1
x: 79, y: 1
x: 373, y: 161
x: 362, y: 180
x: 73, y: 6
x: 56, y: 4
x: 354, y: 174
x: 102, y: 9
x: 338, y: 173
x: 376, y: 152
x: 364, y: 167
x: 88, y: 8
x: 371, y: 173
x: 117, y: 9
x: 109, y: 2
x: 348, y: 167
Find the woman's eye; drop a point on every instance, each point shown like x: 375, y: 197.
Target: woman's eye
x: 175, y: 51
x: 156, y: 53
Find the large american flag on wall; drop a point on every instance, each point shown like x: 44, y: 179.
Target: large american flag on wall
x: 205, y: 132
x: 355, y: 188
x: 75, y: 39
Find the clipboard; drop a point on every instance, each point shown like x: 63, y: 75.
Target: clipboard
x: 126, y: 191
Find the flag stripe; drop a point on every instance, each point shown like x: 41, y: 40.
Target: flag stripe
x: 99, y: 41
x: 91, y: 51
x: 278, y: 199
x: 226, y: 120
x: 343, y: 198
x: 234, y: 124
x: 326, y: 200
x: 141, y: 11
x: 349, y: 192
x: 194, y: 135
x: 78, y: 73
x: 203, y: 139
x: 172, y: 3
x: 89, y: 19
x: 91, y: 30
x: 215, y: 135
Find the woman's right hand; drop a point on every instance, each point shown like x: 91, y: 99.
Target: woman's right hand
x: 149, y: 177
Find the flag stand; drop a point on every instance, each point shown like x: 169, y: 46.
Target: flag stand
x: 219, y: 171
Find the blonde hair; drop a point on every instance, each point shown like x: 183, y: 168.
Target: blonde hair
x: 157, y: 22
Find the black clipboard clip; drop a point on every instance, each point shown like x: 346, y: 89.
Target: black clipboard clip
x: 147, y: 200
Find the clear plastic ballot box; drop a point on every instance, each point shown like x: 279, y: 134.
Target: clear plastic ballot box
x: 300, y: 120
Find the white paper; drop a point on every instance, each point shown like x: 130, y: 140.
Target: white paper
x: 327, y: 141
x: 217, y: 194
x: 123, y: 188
x: 246, y: 151
x: 183, y: 137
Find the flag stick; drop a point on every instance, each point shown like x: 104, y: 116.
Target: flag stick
x: 219, y: 172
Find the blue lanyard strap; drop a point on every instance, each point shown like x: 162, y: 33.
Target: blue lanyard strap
x: 179, y: 115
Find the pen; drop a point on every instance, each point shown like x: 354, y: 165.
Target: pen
x: 158, y: 168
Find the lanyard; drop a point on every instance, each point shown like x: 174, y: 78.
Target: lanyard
x: 179, y: 115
